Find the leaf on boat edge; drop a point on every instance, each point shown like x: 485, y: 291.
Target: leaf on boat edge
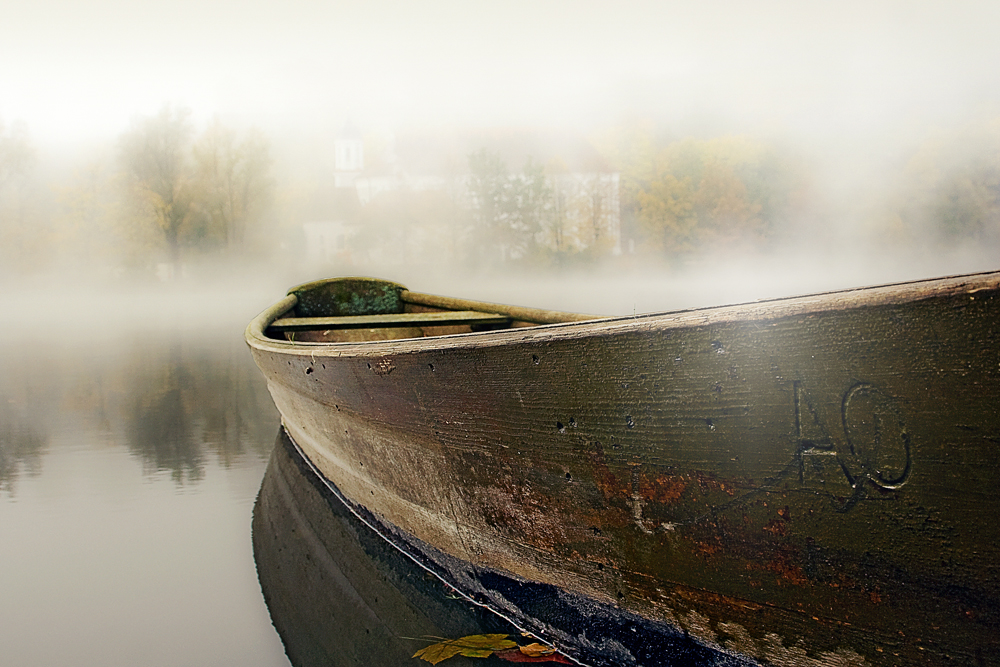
x: 471, y: 646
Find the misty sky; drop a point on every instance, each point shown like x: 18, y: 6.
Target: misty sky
x: 77, y: 70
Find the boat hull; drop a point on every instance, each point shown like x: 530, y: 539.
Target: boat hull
x: 804, y: 481
x: 344, y: 588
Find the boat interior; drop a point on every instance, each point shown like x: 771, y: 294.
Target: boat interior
x: 366, y: 309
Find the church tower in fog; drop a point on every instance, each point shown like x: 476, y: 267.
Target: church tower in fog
x: 349, y: 156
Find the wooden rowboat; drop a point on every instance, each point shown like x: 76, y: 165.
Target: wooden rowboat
x: 802, y: 481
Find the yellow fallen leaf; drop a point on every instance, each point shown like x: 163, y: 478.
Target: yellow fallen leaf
x: 435, y: 653
x: 472, y: 646
x: 537, y: 650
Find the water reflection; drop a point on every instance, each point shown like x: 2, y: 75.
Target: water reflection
x: 21, y: 443
x: 26, y: 397
x: 338, y: 593
x: 130, y: 457
x: 185, y: 405
x: 175, y: 402
x: 159, y: 422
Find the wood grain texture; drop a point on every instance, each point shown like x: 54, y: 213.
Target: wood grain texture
x: 441, y: 319
x: 805, y: 481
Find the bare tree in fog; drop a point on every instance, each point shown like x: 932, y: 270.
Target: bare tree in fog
x: 196, y: 194
x: 558, y: 227
x: 235, y: 179
x: 509, y: 209
x: 155, y: 156
x: 951, y: 192
x: 583, y: 225
x: 532, y: 203
x: 487, y: 184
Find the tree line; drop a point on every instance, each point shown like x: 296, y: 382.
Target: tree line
x: 167, y: 191
x: 682, y: 197
x: 670, y: 199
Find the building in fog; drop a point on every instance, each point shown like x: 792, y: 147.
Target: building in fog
x: 332, y: 219
x: 344, y: 223
x: 349, y: 157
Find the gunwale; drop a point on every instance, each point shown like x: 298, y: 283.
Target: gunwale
x: 762, y: 310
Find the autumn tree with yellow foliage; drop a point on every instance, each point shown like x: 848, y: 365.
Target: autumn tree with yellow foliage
x: 234, y: 180
x: 692, y: 195
x: 200, y: 193
x: 719, y: 193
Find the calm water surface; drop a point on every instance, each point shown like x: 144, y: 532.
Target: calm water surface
x: 132, y: 446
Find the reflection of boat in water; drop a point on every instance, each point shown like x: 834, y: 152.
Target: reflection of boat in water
x: 337, y: 592
x: 804, y: 481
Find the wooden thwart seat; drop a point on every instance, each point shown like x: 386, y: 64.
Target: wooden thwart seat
x: 434, y: 319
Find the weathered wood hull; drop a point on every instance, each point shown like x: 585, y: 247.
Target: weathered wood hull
x: 345, y: 589
x: 802, y: 481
